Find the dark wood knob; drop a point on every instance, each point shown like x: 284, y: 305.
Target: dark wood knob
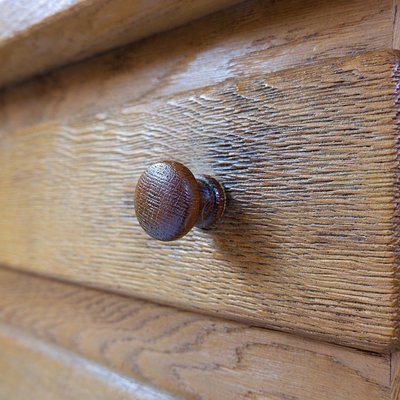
x: 170, y: 200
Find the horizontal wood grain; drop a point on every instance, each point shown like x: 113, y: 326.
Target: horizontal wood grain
x: 309, y: 162
x: 34, y: 370
x: 36, y: 36
x: 254, y: 37
x: 187, y: 354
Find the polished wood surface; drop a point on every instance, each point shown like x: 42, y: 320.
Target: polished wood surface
x: 308, y: 159
x: 255, y: 37
x: 185, y: 354
x: 35, y: 370
x: 36, y: 36
x: 170, y: 200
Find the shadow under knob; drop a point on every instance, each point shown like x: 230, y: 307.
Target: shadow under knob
x: 170, y: 200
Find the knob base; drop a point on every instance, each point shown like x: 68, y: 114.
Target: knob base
x: 213, y: 201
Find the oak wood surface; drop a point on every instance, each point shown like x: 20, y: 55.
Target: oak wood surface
x: 186, y: 354
x: 309, y: 161
x: 34, y: 370
x: 396, y: 25
x: 395, y: 376
x: 254, y: 37
x: 36, y: 36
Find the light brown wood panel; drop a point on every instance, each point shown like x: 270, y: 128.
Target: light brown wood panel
x: 34, y: 370
x: 188, y: 354
x: 36, y: 36
x: 308, y: 158
x: 255, y: 37
x: 18, y: 16
x: 396, y: 24
x: 395, y: 376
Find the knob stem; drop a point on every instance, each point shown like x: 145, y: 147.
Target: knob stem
x: 212, y: 201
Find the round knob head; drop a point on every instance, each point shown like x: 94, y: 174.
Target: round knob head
x: 167, y: 200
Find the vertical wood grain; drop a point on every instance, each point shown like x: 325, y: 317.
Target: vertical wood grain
x: 396, y: 25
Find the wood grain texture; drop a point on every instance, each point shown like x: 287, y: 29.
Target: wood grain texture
x: 309, y: 162
x: 255, y: 37
x: 30, y: 369
x: 187, y: 354
x: 36, y: 36
x: 167, y: 200
x: 396, y: 25
x: 395, y: 376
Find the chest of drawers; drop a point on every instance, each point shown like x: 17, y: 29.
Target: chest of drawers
x: 293, y: 107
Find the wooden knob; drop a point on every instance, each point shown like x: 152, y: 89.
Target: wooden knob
x: 169, y: 201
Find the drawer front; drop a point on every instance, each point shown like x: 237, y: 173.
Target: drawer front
x: 35, y: 370
x: 308, y: 159
x: 37, y: 37
x: 188, y: 355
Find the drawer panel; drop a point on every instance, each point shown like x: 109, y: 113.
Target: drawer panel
x: 31, y: 369
x: 189, y: 355
x: 308, y: 158
x: 253, y: 38
x: 37, y: 36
